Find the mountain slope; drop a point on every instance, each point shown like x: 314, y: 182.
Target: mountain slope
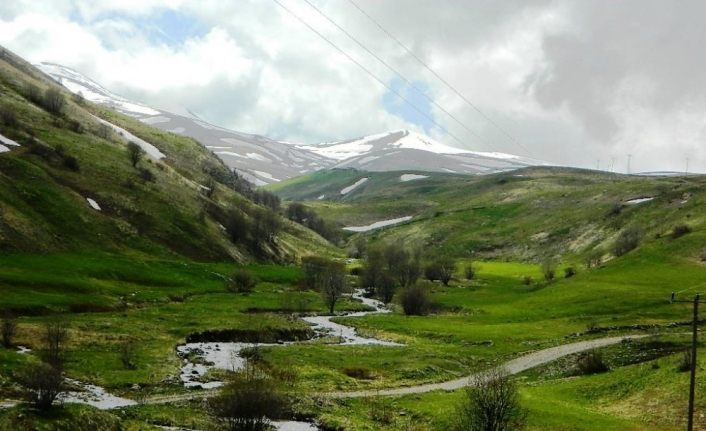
x: 528, y: 214
x: 265, y: 161
x: 70, y: 186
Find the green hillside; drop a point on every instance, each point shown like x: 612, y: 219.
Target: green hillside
x: 157, y: 207
x: 528, y: 214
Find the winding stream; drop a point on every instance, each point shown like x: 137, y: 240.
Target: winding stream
x: 200, y: 358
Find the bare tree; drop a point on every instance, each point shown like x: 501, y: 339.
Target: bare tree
x: 327, y: 277
x: 53, y: 101
x: 415, y: 300
x: 134, y: 153
x: 44, y: 383
x: 8, y: 328
x: 128, y: 353
x: 55, y: 335
x: 491, y: 403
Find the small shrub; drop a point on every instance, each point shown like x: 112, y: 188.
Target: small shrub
x: 356, y: 270
x: 75, y: 126
x: 127, y: 351
x: 53, y: 101
x: 71, y: 163
x: 527, y: 280
x: 628, y: 240
x: 591, y: 363
x: 247, y: 402
x: 432, y: 271
x: 359, y: 373
x: 469, y: 272
x: 7, y: 116
x: 548, y: 270
x: 8, y: 327
x: 146, y: 175
x: 104, y: 131
x: 380, y: 412
x: 680, y: 230
x: 33, y: 93
x: 615, y: 209
x: 241, y: 281
x: 569, y: 272
x: 594, y: 258
x: 55, y: 335
x: 415, y: 300
x: 685, y: 362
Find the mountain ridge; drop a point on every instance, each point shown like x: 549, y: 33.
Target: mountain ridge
x: 265, y: 161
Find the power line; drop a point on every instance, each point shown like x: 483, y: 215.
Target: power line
x: 440, y: 78
x: 395, y: 71
x: 369, y: 72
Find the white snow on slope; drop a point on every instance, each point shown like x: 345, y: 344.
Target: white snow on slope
x: 93, y: 204
x: 638, y: 201
x: 4, y: 141
x: 411, y: 177
x: 350, y: 188
x: 378, y: 224
x: 150, y: 149
x: 156, y: 120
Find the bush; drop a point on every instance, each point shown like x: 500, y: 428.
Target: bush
x: 146, y: 175
x: 615, y: 209
x: 685, y: 362
x: 8, y: 327
x: 247, y: 403
x: 549, y: 270
x: 628, y: 240
x: 432, y: 271
x: 415, y: 300
x: 490, y: 403
x: 75, y: 126
x: 441, y: 269
x: 359, y: 373
x: 127, y: 351
x: 469, y: 272
x: 44, y: 383
x: 594, y: 258
x: 53, y: 101
x: 680, y: 230
x: 241, y: 281
x: 104, y: 131
x: 7, y: 116
x: 34, y: 94
x: 527, y: 280
x: 71, y: 163
x: 569, y: 272
x: 591, y: 363
x: 327, y: 277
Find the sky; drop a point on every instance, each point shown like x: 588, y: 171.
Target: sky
x: 578, y: 83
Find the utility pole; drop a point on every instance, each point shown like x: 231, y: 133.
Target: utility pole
x: 694, y: 338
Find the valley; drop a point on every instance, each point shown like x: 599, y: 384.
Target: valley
x: 173, y: 282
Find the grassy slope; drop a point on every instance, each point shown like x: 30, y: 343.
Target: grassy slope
x: 526, y: 215
x: 43, y: 205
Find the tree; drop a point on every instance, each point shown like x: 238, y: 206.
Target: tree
x: 491, y: 403
x: 628, y: 240
x: 594, y: 258
x: 55, y: 335
x: 266, y: 226
x: 447, y: 267
x: 44, y: 383
x: 402, y: 265
x: 247, y: 402
x: 327, y: 277
x: 386, y: 287
x: 8, y: 327
x: 53, y: 101
x: 134, y: 153
x: 415, y: 300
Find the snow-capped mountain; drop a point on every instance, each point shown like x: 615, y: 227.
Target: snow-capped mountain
x: 263, y: 160
x: 406, y: 150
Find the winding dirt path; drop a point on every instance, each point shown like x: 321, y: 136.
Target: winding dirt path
x: 514, y: 366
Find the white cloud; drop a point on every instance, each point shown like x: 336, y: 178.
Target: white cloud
x: 570, y: 84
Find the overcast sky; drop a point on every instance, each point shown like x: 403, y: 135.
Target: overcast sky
x: 578, y: 83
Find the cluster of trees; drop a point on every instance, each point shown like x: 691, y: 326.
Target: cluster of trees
x: 234, y: 181
x: 50, y: 99
x: 305, y: 216
x: 326, y: 276
x: 257, y: 231
x: 441, y: 269
x: 387, y: 268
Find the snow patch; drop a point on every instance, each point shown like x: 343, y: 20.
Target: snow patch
x: 411, y: 177
x: 255, y: 156
x: 156, y: 120
x: 150, y: 149
x: 353, y: 186
x: 93, y: 204
x: 378, y: 224
x: 321, y: 197
x: 264, y: 175
x: 638, y: 201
